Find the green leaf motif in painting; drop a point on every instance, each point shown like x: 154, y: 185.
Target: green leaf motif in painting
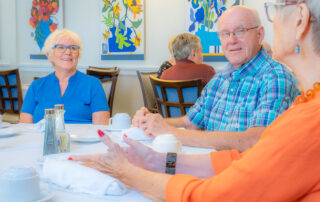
x: 108, y: 21
x: 121, y: 40
x: 136, y: 24
x: 104, y: 9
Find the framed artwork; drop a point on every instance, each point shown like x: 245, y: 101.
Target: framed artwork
x: 122, y: 30
x: 202, y: 18
x: 45, y: 17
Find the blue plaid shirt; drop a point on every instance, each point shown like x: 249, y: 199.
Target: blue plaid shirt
x: 253, y: 95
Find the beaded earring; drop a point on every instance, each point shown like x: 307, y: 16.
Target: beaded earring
x: 297, y: 49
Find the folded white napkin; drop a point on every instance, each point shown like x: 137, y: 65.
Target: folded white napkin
x: 40, y: 126
x: 79, y: 178
x: 136, y: 134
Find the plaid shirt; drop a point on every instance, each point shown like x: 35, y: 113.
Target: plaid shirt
x: 253, y: 95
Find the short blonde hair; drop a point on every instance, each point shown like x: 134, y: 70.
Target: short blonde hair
x: 57, y: 35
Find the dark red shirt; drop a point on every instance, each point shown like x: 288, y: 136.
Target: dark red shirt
x: 187, y: 70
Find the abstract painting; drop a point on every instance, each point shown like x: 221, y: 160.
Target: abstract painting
x: 45, y: 17
x: 122, y: 29
x: 202, y: 17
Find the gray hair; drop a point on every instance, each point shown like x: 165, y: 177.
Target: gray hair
x: 183, y: 44
x: 56, y: 36
x: 314, y: 7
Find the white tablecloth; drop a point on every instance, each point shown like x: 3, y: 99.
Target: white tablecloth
x: 26, y: 147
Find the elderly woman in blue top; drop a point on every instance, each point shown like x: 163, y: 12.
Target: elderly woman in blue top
x: 82, y: 95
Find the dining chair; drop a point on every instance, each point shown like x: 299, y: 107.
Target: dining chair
x: 10, y: 95
x: 149, y: 99
x: 175, y: 97
x: 108, y: 78
x: 103, y: 73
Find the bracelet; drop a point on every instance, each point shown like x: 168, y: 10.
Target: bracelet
x: 171, y: 163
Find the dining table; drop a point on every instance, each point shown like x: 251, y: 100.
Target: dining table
x: 23, y: 146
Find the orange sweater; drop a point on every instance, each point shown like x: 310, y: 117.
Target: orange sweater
x: 283, y: 166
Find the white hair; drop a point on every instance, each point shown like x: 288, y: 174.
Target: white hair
x: 56, y: 36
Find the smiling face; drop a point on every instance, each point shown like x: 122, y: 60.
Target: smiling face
x: 240, y: 50
x: 64, y: 61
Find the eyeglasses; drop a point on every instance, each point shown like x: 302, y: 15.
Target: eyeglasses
x: 240, y: 32
x: 61, y: 48
x: 273, y: 7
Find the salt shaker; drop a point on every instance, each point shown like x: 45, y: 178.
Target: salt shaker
x: 50, y: 142
x: 63, y: 138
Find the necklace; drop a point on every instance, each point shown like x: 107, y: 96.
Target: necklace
x: 309, y: 95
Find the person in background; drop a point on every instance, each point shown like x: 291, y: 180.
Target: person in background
x: 239, y: 102
x: 82, y: 95
x: 167, y: 64
x: 267, y: 47
x: 187, y: 53
x: 283, y: 166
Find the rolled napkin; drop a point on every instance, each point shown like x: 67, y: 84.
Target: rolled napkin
x: 78, y: 178
x: 136, y: 134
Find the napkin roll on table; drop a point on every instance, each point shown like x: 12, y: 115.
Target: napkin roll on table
x: 78, y: 178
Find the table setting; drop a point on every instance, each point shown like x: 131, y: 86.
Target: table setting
x: 68, y: 180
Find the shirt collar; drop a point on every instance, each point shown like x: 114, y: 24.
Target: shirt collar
x: 72, y: 78
x: 186, y: 60
x: 251, y: 67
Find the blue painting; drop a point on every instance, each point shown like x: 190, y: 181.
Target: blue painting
x: 122, y: 30
x: 202, y: 17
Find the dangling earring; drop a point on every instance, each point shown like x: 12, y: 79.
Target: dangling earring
x: 297, y: 49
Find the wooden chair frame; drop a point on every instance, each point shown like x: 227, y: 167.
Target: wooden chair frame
x: 113, y: 73
x: 143, y: 90
x: 102, y: 72
x: 177, y: 84
x: 5, y: 74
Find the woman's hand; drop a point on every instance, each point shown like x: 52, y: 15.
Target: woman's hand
x: 114, y: 162
x: 143, y: 156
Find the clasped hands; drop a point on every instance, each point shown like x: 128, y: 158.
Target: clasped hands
x: 152, y: 124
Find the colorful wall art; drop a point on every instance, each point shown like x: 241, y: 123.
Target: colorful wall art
x: 122, y: 29
x: 202, y: 18
x: 45, y: 17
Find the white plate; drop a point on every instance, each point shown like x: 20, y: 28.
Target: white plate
x: 110, y: 129
x: 4, y: 125
x: 7, y: 132
x: 84, y: 139
x: 46, y: 194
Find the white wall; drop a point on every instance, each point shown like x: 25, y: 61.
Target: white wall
x: 163, y: 19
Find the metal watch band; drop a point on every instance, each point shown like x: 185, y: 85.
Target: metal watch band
x: 171, y: 163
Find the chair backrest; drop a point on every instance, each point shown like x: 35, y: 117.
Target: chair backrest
x: 10, y: 91
x: 149, y: 98
x: 174, y: 98
x: 103, y: 73
x: 108, y: 78
x: 109, y: 86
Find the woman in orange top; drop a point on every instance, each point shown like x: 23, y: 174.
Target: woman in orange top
x: 283, y: 166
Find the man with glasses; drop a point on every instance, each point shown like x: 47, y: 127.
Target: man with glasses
x: 238, y: 103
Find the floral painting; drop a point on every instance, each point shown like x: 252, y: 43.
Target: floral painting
x: 45, y: 17
x: 122, y: 29
x: 202, y: 17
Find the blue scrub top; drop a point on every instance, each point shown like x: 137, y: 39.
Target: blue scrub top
x: 84, y: 95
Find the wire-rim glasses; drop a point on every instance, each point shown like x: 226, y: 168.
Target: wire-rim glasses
x: 240, y: 32
x: 272, y: 8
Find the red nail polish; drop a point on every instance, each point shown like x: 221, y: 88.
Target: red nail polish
x: 124, y: 135
x: 70, y: 159
x: 100, y: 133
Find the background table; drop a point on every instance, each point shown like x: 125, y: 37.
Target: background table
x: 25, y: 149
